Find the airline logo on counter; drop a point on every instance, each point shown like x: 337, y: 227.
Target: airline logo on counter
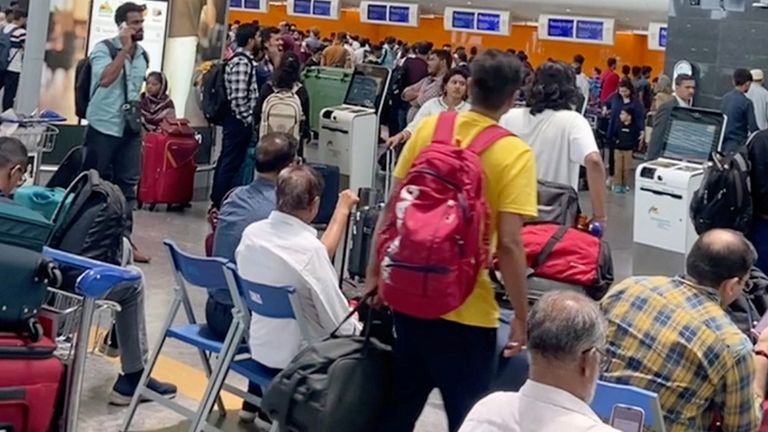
x: 658, y: 34
x: 250, y: 5
x: 476, y: 21
x: 402, y: 14
x: 576, y: 29
x: 325, y: 9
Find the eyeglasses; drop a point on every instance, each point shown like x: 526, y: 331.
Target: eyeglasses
x: 605, y: 361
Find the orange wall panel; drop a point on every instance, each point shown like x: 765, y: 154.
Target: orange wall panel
x: 628, y: 48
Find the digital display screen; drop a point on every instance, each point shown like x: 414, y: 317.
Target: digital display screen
x: 302, y: 7
x: 321, y: 8
x: 367, y: 87
x: 463, y: 20
x: 488, y: 22
x: 663, y: 32
x: 691, y: 141
x: 589, y: 30
x: 560, y: 28
x: 236, y: 4
x: 377, y: 12
x: 253, y: 4
x: 399, y: 14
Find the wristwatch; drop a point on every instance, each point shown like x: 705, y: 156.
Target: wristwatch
x: 761, y: 353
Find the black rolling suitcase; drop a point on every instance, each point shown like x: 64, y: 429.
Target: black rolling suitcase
x: 363, y: 223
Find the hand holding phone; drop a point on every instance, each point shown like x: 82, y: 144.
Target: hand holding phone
x: 627, y: 418
x: 127, y: 35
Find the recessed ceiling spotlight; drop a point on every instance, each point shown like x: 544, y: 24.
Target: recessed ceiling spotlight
x: 568, y: 10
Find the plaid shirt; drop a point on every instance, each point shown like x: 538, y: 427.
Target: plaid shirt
x: 673, y: 338
x: 428, y: 88
x: 242, y: 87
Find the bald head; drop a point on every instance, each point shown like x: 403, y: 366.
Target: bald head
x: 298, y: 189
x: 719, y: 255
x: 562, y: 324
x: 275, y: 152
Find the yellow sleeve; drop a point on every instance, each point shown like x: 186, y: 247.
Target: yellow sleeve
x: 422, y: 137
x: 517, y: 185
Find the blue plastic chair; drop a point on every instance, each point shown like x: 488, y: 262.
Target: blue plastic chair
x: 269, y: 302
x: 608, y: 395
x: 206, y: 273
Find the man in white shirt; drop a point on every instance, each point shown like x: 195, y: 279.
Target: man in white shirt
x: 16, y: 28
x: 582, y: 81
x: 561, y: 138
x: 566, y: 345
x: 284, y: 251
x: 759, y: 97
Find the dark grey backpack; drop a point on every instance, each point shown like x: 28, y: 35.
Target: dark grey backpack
x: 339, y: 384
x: 558, y: 203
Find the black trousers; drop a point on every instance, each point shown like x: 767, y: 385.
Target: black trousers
x: 117, y: 159
x: 11, y: 86
x: 457, y: 359
x: 237, y: 137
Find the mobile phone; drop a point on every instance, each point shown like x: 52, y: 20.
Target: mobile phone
x: 627, y: 418
x: 123, y: 26
x: 760, y: 326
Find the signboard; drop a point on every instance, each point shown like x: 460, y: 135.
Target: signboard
x: 658, y: 35
x: 476, y: 21
x: 325, y: 9
x: 400, y: 14
x: 102, y: 26
x: 249, y: 5
x: 576, y: 29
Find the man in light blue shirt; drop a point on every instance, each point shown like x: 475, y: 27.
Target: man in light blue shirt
x: 389, y: 57
x: 114, y: 149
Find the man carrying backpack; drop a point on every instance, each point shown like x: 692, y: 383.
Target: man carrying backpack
x: 242, y: 94
x: 16, y: 33
x: 113, y: 137
x: 445, y: 314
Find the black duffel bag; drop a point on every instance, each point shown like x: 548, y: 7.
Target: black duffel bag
x: 338, y: 384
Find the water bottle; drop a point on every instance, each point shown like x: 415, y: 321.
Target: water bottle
x: 596, y: 229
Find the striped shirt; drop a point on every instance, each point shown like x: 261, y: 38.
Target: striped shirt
x: 18, y: 40
x: 671, y: 337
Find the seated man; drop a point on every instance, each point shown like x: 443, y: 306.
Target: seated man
x: 671, y: 336
x: 129, y: 322
x: 284, y: 250
x: 566, y: 343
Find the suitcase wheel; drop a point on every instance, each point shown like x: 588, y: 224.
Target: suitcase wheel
x: 34, y: 329
x: 152, y: 207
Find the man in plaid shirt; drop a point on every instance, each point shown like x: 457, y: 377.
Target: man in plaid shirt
x: 242, y: 92
x: 671, y: 336
x: 438, y: 64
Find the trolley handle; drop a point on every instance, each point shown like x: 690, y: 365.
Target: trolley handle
x: 99, y: 278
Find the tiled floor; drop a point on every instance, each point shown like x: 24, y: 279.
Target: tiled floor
x: 181, y: 365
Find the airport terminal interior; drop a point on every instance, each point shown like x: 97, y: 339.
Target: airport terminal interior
x: 150, y: 147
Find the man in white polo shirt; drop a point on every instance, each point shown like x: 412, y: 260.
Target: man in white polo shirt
x: 284, y: 251
x: 566, y: 344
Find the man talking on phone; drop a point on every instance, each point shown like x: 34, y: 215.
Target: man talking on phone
x: 113, y: 137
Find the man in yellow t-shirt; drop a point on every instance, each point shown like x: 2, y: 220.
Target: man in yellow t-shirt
x: 456, y: 353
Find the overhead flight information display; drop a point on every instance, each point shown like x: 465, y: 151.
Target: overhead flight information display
x: 250, y: 5
x: 476, y: 21
x: 400, y: 14
x: 658, y: 35
x: 576, y: 29
x: 325, y: 9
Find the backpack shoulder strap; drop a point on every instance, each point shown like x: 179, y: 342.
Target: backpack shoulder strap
x: 488, y: 137
x: 549, y: 246
x: 445, y: 128
x: 111, y: 48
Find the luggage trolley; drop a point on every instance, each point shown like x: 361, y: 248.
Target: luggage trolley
x: 37, y: 134
x: 70, y: 316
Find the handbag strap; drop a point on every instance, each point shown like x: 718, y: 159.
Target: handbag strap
x: 549, y: 246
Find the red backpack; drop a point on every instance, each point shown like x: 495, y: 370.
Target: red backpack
x: 436, y: 240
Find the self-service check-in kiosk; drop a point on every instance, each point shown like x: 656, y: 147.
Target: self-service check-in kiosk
x: 349, y: 133
x: 663, y: 232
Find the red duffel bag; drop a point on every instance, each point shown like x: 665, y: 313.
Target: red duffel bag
x: 569, y: 255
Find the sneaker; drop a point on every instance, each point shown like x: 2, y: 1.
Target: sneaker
x: 618, y: 189
x: 125, y: 387
x: 250, y: 412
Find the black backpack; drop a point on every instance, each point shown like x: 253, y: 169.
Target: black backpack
x: 92, y: 221
x: 83, y: 77
x: 214, y: 101
x: 724, y: 199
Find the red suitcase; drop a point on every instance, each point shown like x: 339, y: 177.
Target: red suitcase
x: 30, y: 384
x: 168, y: 164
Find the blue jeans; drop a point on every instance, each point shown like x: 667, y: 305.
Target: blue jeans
x: 237, y: 137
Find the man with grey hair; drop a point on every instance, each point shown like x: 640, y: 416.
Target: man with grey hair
x: 284, y: 251
x: 566, y: 345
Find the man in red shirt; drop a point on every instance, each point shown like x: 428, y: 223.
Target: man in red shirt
x: 609, y: 81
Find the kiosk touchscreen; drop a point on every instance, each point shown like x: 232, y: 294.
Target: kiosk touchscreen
x: 349, y: 133
x: 663, y: 232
